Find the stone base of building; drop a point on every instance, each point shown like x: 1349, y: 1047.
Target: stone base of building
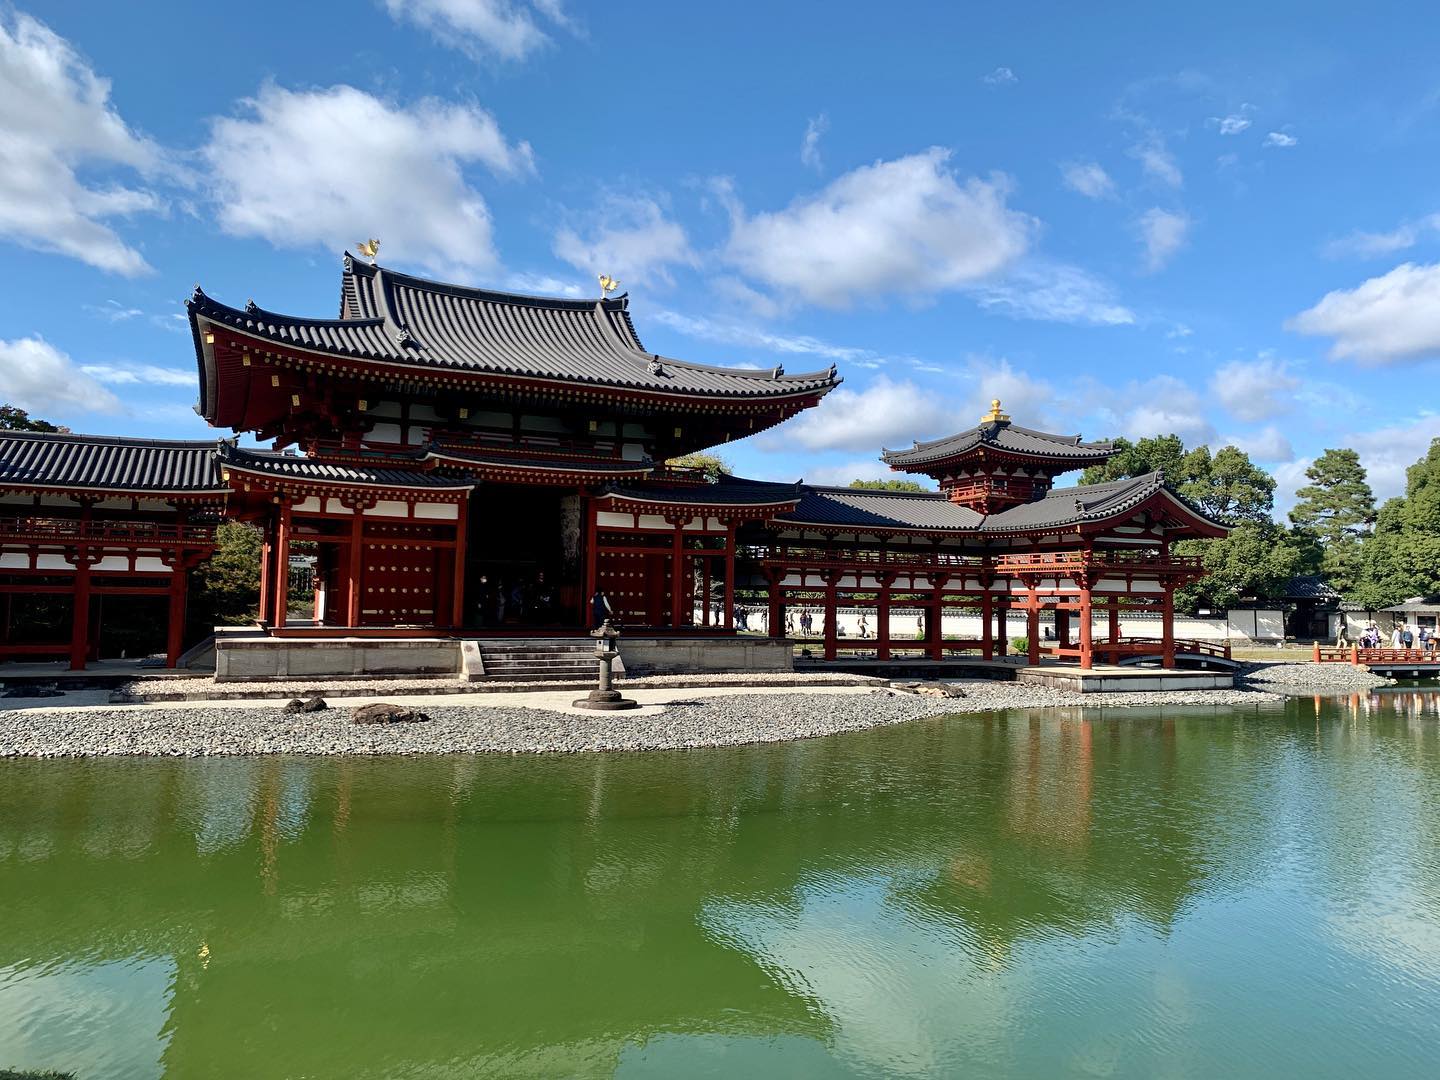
x: 698, y: 655
x: 1123, y: 680
x: 256, y: 656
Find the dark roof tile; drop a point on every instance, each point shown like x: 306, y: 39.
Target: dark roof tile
x: 106, y: 462
x: 1002, y: 435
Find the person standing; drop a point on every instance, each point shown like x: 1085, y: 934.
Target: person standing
x: 600, y: 609
x: 1395, y: 636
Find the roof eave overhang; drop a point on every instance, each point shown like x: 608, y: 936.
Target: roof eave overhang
x: 327, y: 481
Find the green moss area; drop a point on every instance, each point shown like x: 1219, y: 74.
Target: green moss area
x: 34, y: 1074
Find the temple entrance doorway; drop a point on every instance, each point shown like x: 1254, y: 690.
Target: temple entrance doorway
x: 522, y: 559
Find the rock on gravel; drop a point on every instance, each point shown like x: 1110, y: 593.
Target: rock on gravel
x: 382, y: 712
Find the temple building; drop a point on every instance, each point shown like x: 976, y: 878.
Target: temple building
x: 459, y: 463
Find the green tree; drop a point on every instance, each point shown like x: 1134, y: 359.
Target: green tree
x: 1256, y: 559
x: 1165, y: 452
x: 896, y: 484
x: 13, y: 418
x: 712, y: 465
x: 1228, y: 487
x: 228, y: 586
x: 1337, y: 508
x: 1401, y: 557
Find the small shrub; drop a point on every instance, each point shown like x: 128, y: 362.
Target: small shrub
x: 1020, y: 644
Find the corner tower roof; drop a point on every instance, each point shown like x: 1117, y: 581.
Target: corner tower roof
x: 996, y: 435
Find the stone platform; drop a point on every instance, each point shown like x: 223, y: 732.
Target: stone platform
x: 256, y: 656
x: 1110, y: 679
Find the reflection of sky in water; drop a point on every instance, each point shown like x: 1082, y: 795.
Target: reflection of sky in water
x: 100, y: 1021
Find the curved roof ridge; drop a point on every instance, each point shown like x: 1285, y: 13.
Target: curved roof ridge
x: 361, y: 268
x: 888, y: 493
x: 201, y: 298
x: 112, y: 440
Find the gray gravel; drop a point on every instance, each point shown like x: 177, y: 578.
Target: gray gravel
x: 708, y: 721
x: 1309, y: 678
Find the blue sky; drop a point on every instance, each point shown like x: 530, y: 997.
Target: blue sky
x: 1130, y: 220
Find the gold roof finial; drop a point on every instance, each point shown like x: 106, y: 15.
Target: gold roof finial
x: 369, y: 248
x: 607, y: 284
x: 995, y: 416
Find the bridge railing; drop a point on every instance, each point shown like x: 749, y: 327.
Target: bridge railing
x: 1354, y: 654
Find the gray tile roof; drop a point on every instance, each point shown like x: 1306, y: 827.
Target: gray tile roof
x: 861, y: 508
x: 727, y: 491
x: 1074, y: 505
x: 399, y: 319
x: 106, y: 462
x: 1308, y: 587
x: 336, y: 472
x: 1002, y: 435
x: 459, y: 458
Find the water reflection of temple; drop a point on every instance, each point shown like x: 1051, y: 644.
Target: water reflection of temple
x: 539, y: 916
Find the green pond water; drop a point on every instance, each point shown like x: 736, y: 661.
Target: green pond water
x: 1193, y: 893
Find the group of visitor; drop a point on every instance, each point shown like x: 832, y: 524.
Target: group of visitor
x: 1402, y: 636
x: 521, y: 600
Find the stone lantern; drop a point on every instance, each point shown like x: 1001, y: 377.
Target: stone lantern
x: 605, y: 697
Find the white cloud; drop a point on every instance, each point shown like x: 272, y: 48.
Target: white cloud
x: 1156, y: 161
x: 1088, y: 178
x: 56, y: 120
x: 1233, y: 124
x: 886, y: 413
x: 1179, y: 330
x: 1160, y: 405
x: 1281, y: 140
x: 1255, y: 390
x: 483, y: 28
x: 810, y: 144
x: 1387, y: 452
x: 863, y: 469
x: 1053, y: 292
x: 328, y: 167
x: 634, y: 242
x: 1269, y: 444
x: 1001, y: 76
x: 113, y: 311
x: 728, y: 332
x: 41, y: 379
x: 1370, y: 244
x: 1026, y: 398
x: 1163, y: 233
x: 136, y: 374
x: 1289, y: 478
x: 907, y: 226
x: 1389, y: 318
x: 548, y: 285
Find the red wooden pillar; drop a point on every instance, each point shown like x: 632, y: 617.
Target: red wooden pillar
x: 266, y: 550
x: 831, y: 580
x: 353, y: 568
x: 462, y: 526
x: 677, y: 575
x: 1032, y: 627
x: 1113, y: 617
x: 592, y: 559
x: 175, y: 629
x: 775, y: 613
x: 80, y: 612
x: 1167, y: 628
x: 281, y: 588
x: 882, y: 617
x: 987, y: 622
x: 1086, y: 658
x: 729, y: 577
x: 935, y: 623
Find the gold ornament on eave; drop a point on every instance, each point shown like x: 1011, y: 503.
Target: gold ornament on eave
x: 608, y: 284
x: 369, y: 248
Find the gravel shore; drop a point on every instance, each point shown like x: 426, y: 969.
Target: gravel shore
x: 699, y: 722
x: 1308, y: 678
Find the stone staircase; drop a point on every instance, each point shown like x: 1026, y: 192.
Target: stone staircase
x: 537, y: 659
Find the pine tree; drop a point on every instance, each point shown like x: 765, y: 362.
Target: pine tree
x: 890, y: 485
x: 1337, y: 507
